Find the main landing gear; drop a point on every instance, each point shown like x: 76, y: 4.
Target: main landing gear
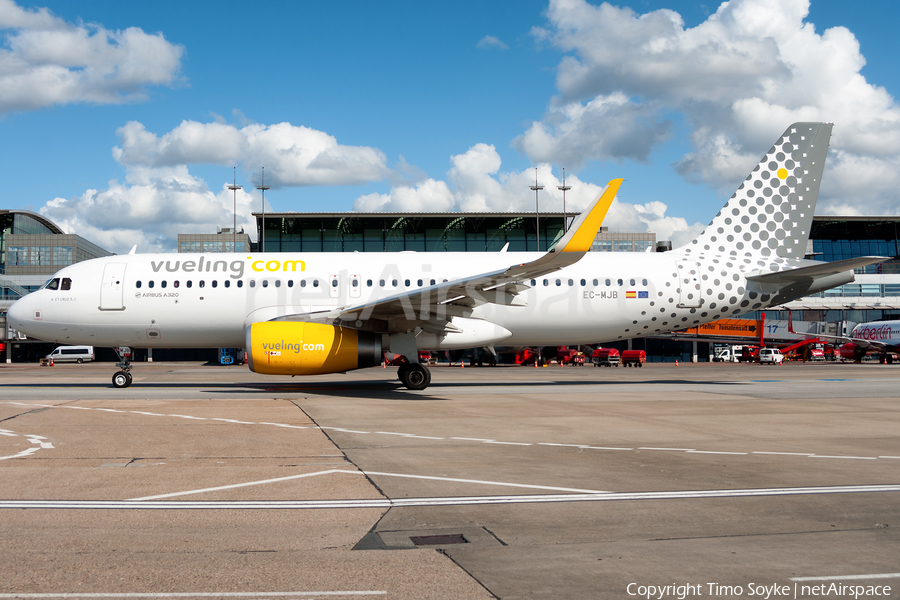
x: 414, y: 376
x: 122, y: 379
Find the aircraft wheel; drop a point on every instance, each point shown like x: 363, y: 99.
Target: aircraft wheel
x: 415, y: 377
x: 121, y: 379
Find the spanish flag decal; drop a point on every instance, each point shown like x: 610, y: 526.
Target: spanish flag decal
x: 631, y: 294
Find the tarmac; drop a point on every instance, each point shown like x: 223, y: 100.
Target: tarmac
x: 716, y: 480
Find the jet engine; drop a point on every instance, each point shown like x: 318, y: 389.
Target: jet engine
x: 851, y: 351
x: 294, y: 348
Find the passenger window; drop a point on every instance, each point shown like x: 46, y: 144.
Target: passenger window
x: 546, y: 282
x: 608, y: 283
x: 277, y: 283
x: 137, y: 284
x: 162, y: 283
x: 368, y: 283
x: 150, y: 284
x: 406, y: 282
x: 558, y: 282
x: 265, y: 283
x: 533, y: 282
x: 290, y: 283
x: 252, y: 283
x: 433, y: 282
x: 315, y: 283
x: 420, y: 283
x: 334, y: 283
x: 596, y: 282
x: 394, y: 282
x: 583, y: 283
x: 302, y: 283
x: 381, y: 282
x: 355, y: 283
x: 572, y: 282
x: 632, y: 282
x: 240, y: 283
x: 201, y: 283
x: 175, y: 283
x: 215, y: 283
x: 620, y: 282
x: 190, y: 283
x: 644, y: 282
x: 66, y: 284
x: 227, y: 283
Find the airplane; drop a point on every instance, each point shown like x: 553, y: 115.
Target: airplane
x: 319, y: 313
x: 881, y: 337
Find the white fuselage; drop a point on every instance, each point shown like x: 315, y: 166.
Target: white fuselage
x: 208, y: 300
x: 880, y: 332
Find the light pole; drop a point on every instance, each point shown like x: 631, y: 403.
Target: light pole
x: 234, y: 188
x: 564, y: 188
x: 262, y: 228
x: 537, y: 213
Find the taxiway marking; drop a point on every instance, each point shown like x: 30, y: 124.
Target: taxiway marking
x: 438, y: 501
x: 39, y: 442
x: 464, y: 439
x: 38, y: 596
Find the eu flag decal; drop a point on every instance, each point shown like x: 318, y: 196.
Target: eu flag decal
x: 643, y: 294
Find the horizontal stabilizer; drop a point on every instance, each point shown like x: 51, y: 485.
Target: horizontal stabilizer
x: 820, y: 270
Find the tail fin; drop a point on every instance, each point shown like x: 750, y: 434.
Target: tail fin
x: 770, y: 215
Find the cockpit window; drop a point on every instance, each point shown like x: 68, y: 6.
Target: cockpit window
x: 53, y: 284
x: 66, y: 284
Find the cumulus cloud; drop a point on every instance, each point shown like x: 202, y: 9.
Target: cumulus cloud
x: 490, y: 41
x: 45, y: 61
x: 293, y: 155
x: 477, y: 184
x: 150, y: 209
x: 739, y: 78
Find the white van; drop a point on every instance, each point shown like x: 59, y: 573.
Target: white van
x: 770, y: 356
x: 76, y: 354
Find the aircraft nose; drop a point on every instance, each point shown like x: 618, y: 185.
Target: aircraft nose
x: 19, y: 313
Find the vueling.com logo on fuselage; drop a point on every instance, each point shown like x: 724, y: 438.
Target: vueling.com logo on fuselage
x: 235, y: 268
x: 293, y: 347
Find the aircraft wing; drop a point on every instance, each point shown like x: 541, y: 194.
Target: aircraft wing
x: 820, y: 270
x: 433, y: 306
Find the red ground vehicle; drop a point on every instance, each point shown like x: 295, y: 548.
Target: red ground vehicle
x: 607, y: 357
x: 634, y: 358
x: 570, y: 356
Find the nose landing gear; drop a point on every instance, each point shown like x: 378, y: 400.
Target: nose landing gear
x: 414, y: 376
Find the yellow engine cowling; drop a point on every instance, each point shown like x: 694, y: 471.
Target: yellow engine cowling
x: 292, y: 348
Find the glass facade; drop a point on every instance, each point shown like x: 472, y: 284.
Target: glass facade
x: 418, y: 232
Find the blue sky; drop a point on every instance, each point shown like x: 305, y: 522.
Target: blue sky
x: 123, y: 121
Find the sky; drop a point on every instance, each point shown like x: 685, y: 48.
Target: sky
x: 124, y: 122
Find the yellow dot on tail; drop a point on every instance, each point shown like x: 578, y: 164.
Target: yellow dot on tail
x: 782, y: 173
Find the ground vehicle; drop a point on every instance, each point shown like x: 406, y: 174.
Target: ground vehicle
x: 76, y: 354
x: 608, y: 357
x: 634, y: 358
x: 770, y: 356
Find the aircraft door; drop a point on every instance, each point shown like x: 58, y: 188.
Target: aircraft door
x: 689, y: 291
x: 112, y: 287
x: 334, y: 286
x: 355, y: 286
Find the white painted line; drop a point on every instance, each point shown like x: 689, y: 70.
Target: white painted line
x: 202, y: 594
x: 604, y: 448
x: 509, y: 443
x: 442, y: 501
x: 9, y: 434
x: 352, y: 431
x: 851, y: 457
x: 848, y: 577
x: 239, y: 485
x: 424, y: 437
x: 471, y: 439
x: 225, y: 420
x: 889, y: 457
x: 712, y: 452
x: 785, y: 453
x: 499, y: 483
x: 138, y: 412
x: 111, y: 410
x: 290, y: 426
x: 78, y: 407
x: 188, y: 417
x: 672, y: 449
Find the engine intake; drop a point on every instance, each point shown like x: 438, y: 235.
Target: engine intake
x: 292, y: 348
